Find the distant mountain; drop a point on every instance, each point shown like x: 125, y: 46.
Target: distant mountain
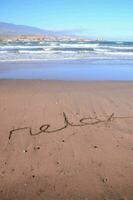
x: 13, y: 29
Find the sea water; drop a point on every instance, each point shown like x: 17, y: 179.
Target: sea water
x: 61, y: 50
x: 66, y: 60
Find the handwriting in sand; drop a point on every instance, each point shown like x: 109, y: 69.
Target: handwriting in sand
x: 45, y: 128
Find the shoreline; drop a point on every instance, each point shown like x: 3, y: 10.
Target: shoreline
x: 87, y: 154
x: 67, y: 71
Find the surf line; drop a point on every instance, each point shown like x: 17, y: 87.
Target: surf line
x: 46, y: 127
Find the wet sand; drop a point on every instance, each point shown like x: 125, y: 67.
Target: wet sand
x: 66, y: 140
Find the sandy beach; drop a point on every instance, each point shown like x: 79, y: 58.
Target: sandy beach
x: 66, y: 140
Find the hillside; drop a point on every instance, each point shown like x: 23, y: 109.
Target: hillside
x: 13, y: 29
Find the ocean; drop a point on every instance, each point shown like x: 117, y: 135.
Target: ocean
x: 62, y: 50
x: 66, y: 60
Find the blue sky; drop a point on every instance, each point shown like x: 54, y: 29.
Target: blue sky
x: 109, y: 19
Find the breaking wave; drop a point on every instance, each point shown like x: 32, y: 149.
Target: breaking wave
x: 65, y: 50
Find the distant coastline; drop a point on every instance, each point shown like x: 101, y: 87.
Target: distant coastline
x: 13, y: 32
x: 29, y: 38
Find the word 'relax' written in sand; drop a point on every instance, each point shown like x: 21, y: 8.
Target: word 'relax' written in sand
x: 86, y: 121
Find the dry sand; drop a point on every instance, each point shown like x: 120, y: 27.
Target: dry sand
x: 89, y: 162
